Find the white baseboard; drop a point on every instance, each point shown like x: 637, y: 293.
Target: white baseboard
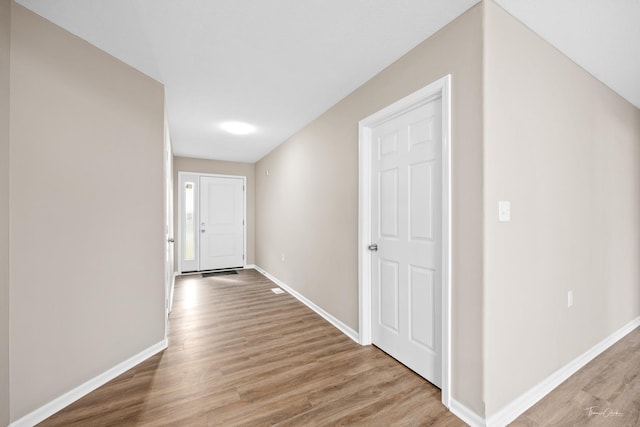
x: 45, y: 411
x: 518, y: 406
x: 466, y: 414
x: 328, y: 317
x: 250, y: 267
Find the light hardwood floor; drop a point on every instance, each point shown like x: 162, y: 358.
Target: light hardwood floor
x: 241, y: 355
x: 609, y: 385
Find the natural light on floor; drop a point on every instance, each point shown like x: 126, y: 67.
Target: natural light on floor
x: 191, y: 293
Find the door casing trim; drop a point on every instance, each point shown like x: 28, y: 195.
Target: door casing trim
x: 441, y: 88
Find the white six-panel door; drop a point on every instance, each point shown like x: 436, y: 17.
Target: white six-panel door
x: 406, y: 274
x: 221, y: 227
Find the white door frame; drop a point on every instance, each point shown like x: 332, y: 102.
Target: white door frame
x: 197, y: 213
x: 169, y: 229
x: 438, y: 89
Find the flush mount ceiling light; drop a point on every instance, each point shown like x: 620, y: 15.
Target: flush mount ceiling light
x: 237, y: 128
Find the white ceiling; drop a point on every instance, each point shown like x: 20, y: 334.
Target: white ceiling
x: 602, y: 36
x: 279, y: 64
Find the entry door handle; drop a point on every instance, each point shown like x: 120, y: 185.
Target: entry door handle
x: 373, y: 247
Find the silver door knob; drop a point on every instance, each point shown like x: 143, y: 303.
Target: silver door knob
x: 373, y: 247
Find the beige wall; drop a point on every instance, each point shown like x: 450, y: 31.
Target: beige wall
x: 87, y: 228
x: 187, y: 164
x: 565, y: 150
x: 5, y: 37
x: 308, y: 204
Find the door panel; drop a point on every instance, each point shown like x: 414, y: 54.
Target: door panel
x: 406, y: 226
x: 389, y: 203
x: 421, y: 201
x: 221, y: 222
x: 389, y: 292
x: 421, y: 294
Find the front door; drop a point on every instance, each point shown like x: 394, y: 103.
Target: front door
x: 221, y: 222
x: 406, y: 183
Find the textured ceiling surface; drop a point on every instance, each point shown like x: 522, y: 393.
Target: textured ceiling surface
x: 279, y: 64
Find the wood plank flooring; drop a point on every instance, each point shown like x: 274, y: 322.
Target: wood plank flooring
x: 605, y: 392
x: 241, y: 355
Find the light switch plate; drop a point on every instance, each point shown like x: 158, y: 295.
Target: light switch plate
x: 504, y: 211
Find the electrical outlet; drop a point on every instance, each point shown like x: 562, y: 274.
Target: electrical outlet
x: 569, y: 299
x: 282, y: 256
